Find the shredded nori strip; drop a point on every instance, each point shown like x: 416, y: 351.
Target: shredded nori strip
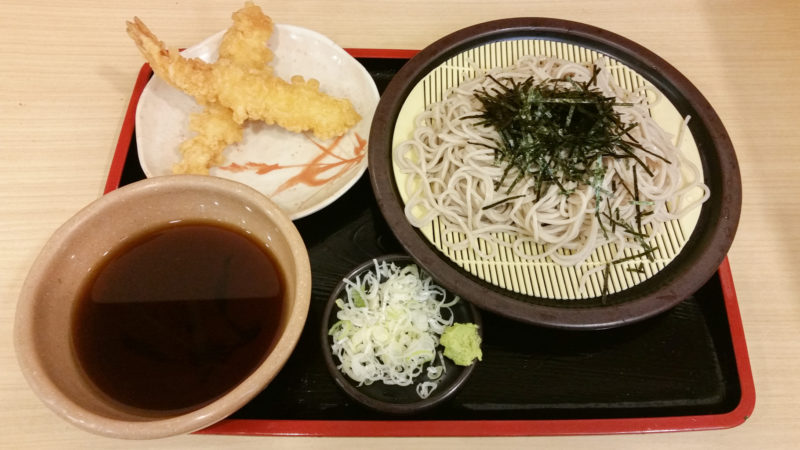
x: 555, y: 131
x: 559, y: 132
x: 648, y: 252
x: 638, y: 269
x: 500, y: 202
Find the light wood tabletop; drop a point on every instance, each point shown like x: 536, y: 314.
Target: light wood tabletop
x: 68, y: 69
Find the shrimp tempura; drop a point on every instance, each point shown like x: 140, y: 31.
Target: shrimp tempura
x: 215, y: 130
x: 245, y: 44
x: 251, y: 93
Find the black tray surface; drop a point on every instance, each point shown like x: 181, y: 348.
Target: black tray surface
x: 678, y: 363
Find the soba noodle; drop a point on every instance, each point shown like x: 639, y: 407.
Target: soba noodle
x: 453, y: 175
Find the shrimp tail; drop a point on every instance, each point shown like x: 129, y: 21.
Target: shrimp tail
x: 192, y: 76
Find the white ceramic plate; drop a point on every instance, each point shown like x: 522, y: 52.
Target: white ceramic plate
x: 269, y: 158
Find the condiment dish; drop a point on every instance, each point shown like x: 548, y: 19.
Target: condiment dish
x: 394, y: 399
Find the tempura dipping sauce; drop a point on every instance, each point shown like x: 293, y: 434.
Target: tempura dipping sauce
x: 179, y: 316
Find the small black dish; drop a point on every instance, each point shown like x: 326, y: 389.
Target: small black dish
x: 389, y: 398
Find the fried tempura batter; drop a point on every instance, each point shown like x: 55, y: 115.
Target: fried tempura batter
x: 245, y: 44
x: 250, y: 90
x: 215, y: 130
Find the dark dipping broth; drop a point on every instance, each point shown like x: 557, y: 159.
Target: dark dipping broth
x: 179, y: 316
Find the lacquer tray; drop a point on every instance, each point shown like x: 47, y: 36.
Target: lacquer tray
x: 686, y: 369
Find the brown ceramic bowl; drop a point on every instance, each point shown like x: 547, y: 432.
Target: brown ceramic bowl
x: 43, y: 338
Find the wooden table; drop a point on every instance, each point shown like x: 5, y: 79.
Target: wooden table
x: 68, y: 68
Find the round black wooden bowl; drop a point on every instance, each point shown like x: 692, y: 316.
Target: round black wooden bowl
x: 699, y: 259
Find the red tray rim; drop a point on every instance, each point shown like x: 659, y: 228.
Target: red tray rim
x: 443, y: 428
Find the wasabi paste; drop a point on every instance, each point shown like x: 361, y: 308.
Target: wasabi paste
x: 462, y: 343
